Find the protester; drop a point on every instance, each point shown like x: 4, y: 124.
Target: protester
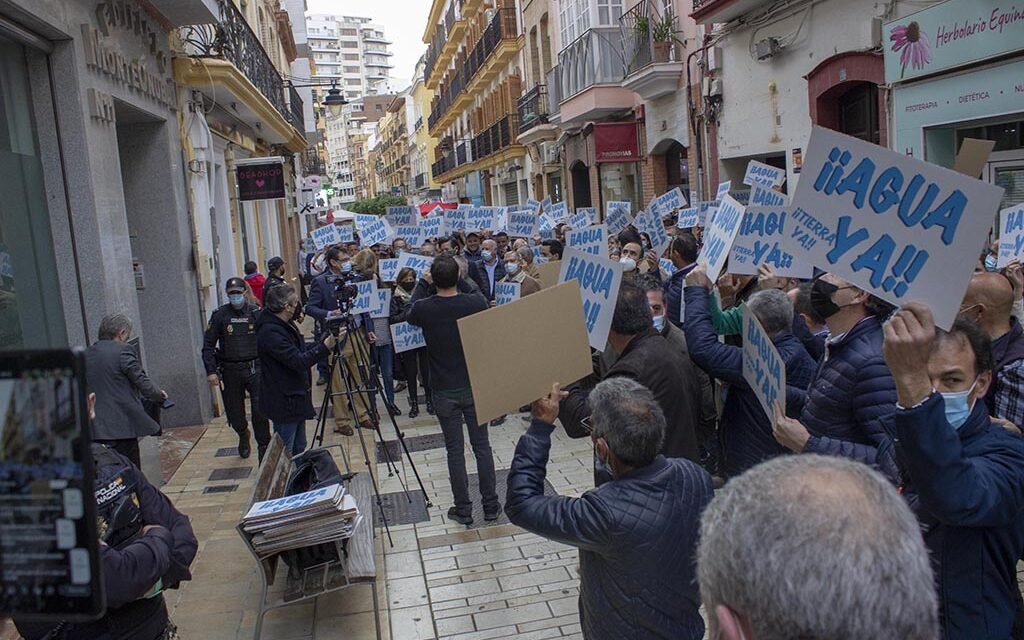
x: 399, y: 246
x: 472, y: 250
x: 255, y: 280
x: 682, y: 251
x: 808, y: 326
x: 501, y: 238
x: 415, y: 361
x: 437, y: 315
x: 428, y: 249
x: 636, y: 533
x: 515, y: 270
x: 275, y: 274
x: 989, y: 303
x: 551, y: 250
x: 814, y: 547
x: 745, y: 429
x: 489, y: 269
x: 841, y: 411
x: 382, y: 355
x: 963, y: 475
x: 632, y: 253
x: 115, y: 375
x: 645, y: 357
x: 230, y: 359
x: 528, y: 265
x: 285, y: 362
x: 323, y: 305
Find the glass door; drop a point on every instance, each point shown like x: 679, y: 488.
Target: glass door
x: 1008, y: 174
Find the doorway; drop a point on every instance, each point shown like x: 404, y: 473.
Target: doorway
x: 580, y: 184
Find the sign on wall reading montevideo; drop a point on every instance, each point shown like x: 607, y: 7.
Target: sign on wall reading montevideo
x: 900, y: 228
x: 260, y: 180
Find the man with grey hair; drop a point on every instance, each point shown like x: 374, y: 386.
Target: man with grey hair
x: 636, y: 533
x: 745, y: 429
x: 814, y: 547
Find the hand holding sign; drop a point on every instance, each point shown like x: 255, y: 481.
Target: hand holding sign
x: 788, y: 432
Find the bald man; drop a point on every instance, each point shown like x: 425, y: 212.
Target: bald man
x: 989, y: 302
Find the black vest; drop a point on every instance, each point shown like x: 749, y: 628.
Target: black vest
x: 238, y: 336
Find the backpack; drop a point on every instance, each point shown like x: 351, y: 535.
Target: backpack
x: 314, y: 469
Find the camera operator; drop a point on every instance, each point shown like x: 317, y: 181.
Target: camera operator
x: 234, y: 365
x: 324, y: 306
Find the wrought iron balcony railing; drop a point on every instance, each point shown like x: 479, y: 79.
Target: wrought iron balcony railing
x: 295, y: 115
x: 500, y: 135
x: 533, y: 108
x: 234, y: 41
x: 420, y: 180
x: 594, y: 58
x: 640, y: 47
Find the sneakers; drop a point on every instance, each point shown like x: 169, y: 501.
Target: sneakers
x: 244, y: 447
x: 490, y: 515
x: 455, y: 516
x: 498, y: 421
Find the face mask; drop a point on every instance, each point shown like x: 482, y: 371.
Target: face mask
x: 659, y: 323
x: 821, y: 298
x: 236, y: 299
x: 957, y: 409
x: 346, y: 267
x: 628, y: 264
x: 511, y: 267
x: 990, y: 262
x: 486, y: 255
x: 407, y: 286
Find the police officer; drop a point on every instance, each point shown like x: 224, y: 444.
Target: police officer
x: 234, y: 365
x: 275, y: 274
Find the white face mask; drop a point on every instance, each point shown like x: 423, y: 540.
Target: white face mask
x: 628, y: 264
x: 511, y: 267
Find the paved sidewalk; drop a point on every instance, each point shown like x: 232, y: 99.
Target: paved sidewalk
x: 440, y: 580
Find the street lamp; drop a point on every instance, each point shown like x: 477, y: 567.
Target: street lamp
x: 334, y: 101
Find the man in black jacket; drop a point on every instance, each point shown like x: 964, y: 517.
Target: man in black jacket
x: 646, y: 358
x: 637, y: 533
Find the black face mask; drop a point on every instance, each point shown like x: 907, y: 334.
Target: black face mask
x: 821, y: 298
x: 407, y: 286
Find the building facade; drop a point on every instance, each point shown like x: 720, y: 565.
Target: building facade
x: 422, y: 186
x: 352, y: 52
x: 393, y: 148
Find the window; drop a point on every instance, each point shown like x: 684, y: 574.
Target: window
x: 349, y: 45
x: 352, y: 81
x: 349, y: 32
x: 575, y: 19
x: 858, y: 112
x: 351, y: 69
x: 609, y: 12
x: 350, y: 56
x: 378, y: 108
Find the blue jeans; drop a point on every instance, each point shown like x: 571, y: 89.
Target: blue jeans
x: 293, y: 434
x: 386, y: 361
x: 452, y: 410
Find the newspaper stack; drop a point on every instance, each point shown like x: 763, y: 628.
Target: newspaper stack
x: 321, y: 515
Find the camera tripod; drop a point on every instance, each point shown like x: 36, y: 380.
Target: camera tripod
x: 368, y: 384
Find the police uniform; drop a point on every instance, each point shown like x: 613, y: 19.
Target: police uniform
x: 229, y: 349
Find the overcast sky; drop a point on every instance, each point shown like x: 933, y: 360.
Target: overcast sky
x: 403, y: 22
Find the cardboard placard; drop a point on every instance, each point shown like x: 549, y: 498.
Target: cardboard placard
x: 346, y: 233
x: 522, y: 224
x: 759, y: 242
x: 764, y: 175
x: 1011, y: 236
x: 383, y: 308
x: 543, y: 341
x: 406, y: 337
x: 599, y: 280
x: 719, y: 236
x: 432, y: 228
x: 895, y: 226
x: 482, y: 218
x: 592, y: 240
x: 402, y: 216
x: 761, y: 197
x: 549, y: 273
x: 763, y: 367
x: 325, y: 236
x: 455, y: 219
x: 387, y: 269
x: 411, y: 235
x: 651, y: 223
x: 506, y: 292
x: 618, y: 215
x: 973, y: 156
x: 373, y: 230
x: 419, y: 264
x: 366, y: 301
x: 688, y: 218
x: 723, y: 190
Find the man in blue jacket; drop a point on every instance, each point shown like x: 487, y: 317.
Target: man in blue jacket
x: 962, y: 474
x: 637, y: 534
x: 683, y: 254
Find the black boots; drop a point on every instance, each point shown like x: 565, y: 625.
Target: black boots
x: 430, y: 404
x: 414, y: 407
x: 244, y: 447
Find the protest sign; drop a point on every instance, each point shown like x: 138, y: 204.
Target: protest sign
x: 705, y: 212
x: 557, y: 211
x: 522, y: 224
x: 538, y: 257
x: 973, y: 156
x: 388, y: 269
x: 325, y: 236
x: 455, y: 219
x: 419, y: 264
x: 506, y: 292
x: 651, y: 223
x: 723, y: 190
x: 406, y: 337
x: 617, y: 215
x: 599, y: 280
x: 481, y: 218
x: 688, y: 218
x: 501, y: 221
x: 549, y: 272
x: 666, y: 266
x: 719, y: 236
x: 346, y: 233
x: 533, y: 205
x: 432, y: 228
x: 759, y: 173
x: 592, y: 240
x: 373, y: 230
x: 545, y: 223
x: 366, y: 301
x: 899, y: 228
x: 402, y: 216
x: 543, y: 341
x: 1011, y: 236
x: 584, y: 217
x: 761, y: 197
x: 759, y: 242
x: 437, y: 211
x: 670, y: 201
x: 411, y: 235
x: 763, y: 368
x: 383, y: 302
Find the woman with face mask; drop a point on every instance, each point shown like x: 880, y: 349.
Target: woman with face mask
x: 413, y: 362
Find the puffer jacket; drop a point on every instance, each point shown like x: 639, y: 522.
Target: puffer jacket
x: 637, y: 537
x: 745, y: 429
x: 850, y: 394
x: 673, y: 288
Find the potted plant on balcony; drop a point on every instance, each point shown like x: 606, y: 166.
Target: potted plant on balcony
x: 663, y: 33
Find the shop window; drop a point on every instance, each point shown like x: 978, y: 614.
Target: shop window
x: 1007, y: 135
x: 677, y: 170
x: 511, y: 190
x: 858, y: 112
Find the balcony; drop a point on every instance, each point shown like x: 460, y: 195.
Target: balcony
x: 498, y: 137
x: 420, y: 181
x: 369, y: 37
x: 379, y: 64
x: 533, y: 117
x: 590, y: 74
x: 377, y: 51
x: 653, y: 68
x: 228, y: 55
x: 710, y: 11
x: 294, y: 115
x: 180, y: 12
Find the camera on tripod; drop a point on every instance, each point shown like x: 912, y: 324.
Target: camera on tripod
x: 345, y: 292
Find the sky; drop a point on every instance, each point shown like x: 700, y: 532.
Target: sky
x: 403, y: 22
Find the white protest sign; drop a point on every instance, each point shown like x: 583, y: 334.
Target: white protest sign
x: 455, y: 219
x: 900, y: 228
x: 533, y: 205
x: 617, y: 215
x: 373, y: 230
x: 406, y: 337
x: 506, y: 292
x: 651, y: 223
x: 764, y: 175
x: 557, y: 211
x: 419, y: 264
x: 592, y: 240
x: 501, y: 222
x: 522, y: 224
x: 670, y: 201
x: 538, y: 258
x: 688, y: 218
x: 545, y: 223
x: 761, y: 197
x: 763, y: 367
x: 432, y: 228
x: 325, y: 236
x: 667, y: 266
x: 705, y: 212
x: 758, y: 242
x: 402, y: 216
x: 584, y: 217
x: 388, y: 269
x: 346, y: 233
x: 481, y: 218
x: 723, y: 190
x: 411, y: 235
x: 719, y: 235
x: 1011, y: 235
x: 383, y: 308
x: 366, y: 301
x: 599, y: 280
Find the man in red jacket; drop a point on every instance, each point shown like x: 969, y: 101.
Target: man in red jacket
x: 256, y: 280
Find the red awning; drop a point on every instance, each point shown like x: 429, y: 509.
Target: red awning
x: 427, y: 207
x: 616, y: 142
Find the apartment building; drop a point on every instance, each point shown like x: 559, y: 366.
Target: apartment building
x: 351, y: 52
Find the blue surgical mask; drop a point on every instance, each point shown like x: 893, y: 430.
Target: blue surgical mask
x: 486, y: 255
x: 990, y: 263
x: 236, y: 299
x: 659, y: 323
x: 346, y: 267
x: 957, y: 409
x: 511, y: 267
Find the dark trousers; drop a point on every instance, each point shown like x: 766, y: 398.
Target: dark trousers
x: 451, y: 411
x: 128, y: 447
x: 237, y: 380
x: 415, y: 362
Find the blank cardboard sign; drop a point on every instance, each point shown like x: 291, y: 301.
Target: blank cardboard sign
x: 542, y: 340
x: 549, y: 273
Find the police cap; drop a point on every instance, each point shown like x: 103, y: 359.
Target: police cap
x: 235, y: 285
x: 274, y: 263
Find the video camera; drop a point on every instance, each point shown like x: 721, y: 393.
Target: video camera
x: 345, y: 292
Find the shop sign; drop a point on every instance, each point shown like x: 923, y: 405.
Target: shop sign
x: 261, y: 180
x: 616, y: 142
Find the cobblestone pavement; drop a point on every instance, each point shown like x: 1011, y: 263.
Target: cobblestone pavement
x: 439, y: 580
